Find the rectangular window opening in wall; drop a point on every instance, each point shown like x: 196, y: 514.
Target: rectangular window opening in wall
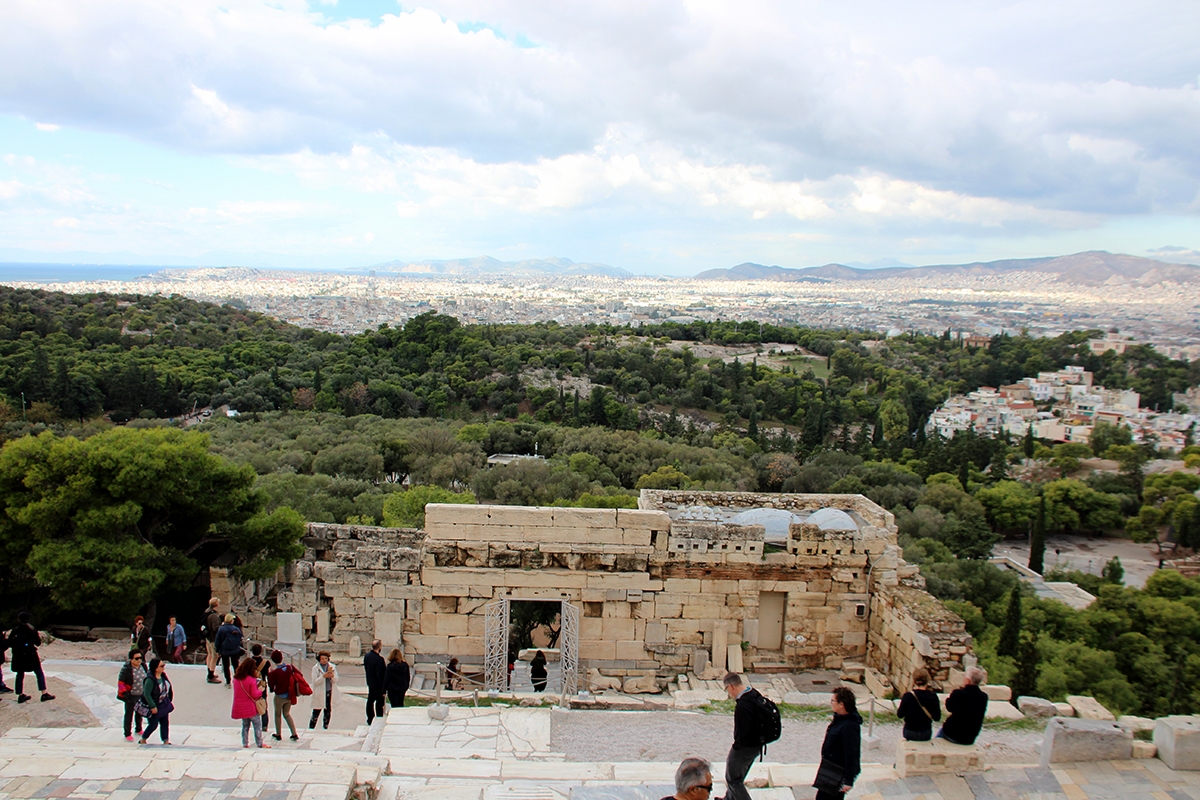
x: 695, y: 546
x: 737, y: 547
x: 593, y: 609
x: 837, y: 552
x: 860, y: 610
x: 724, y: 547
x: 855, y: 574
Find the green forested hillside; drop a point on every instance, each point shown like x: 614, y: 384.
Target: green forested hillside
x: 366, y: 428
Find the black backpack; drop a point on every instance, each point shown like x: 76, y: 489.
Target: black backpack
x: 770, y: 724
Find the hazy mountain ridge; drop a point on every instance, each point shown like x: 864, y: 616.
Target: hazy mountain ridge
x: 487, y: 265
x: 1091, y: 268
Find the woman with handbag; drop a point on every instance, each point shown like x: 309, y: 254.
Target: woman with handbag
x: 157, y: 703
x: 130, y: 682
x: 249, y: 702
x: 919, y: 708
x: 840, y: 751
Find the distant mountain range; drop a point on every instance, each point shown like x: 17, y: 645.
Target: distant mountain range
x: 486, y: 265
x: 1093, y: 268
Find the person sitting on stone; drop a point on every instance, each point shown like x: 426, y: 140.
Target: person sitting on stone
x: 693, y: 780
x: 967, y: 706
x: 919, y: 708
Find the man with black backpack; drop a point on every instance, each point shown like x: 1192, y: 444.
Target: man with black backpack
x: 756, y: 723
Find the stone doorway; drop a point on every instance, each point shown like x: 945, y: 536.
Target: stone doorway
x: 497, y: 646
x: 771, y: 606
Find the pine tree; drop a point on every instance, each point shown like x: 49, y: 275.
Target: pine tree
x: 1010, y: 634
x: 964, y: 473
x: 1037, y: 539
x: 1027, y: 444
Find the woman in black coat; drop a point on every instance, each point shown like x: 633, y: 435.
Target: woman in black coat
x: 919, y: 708
x: 24, y: 641
x: 396, y: 678
x: 537, y: 671
x: 843, y: 743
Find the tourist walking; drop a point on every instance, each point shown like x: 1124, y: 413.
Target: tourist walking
x: 324, y: 678
x: 453, y: 679
x: 281, y: 680
x: 840, y: 751
x: 965, y: 708
x: 537, y: 672
x: 130, y: 682
x: 375, y: 669
x: 157, y: 702
x: 176, y: 640
x: 919, y: 708
x: 210, y: 622
x: 229, y: 646
x: 693, y: 780
x: 398, y: 677
x: 24, y: 640
x: 247, y: 707
x: 139, y: 637
x: 747, y: 736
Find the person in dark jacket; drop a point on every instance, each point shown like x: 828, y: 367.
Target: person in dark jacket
x: 139, y: 637
x: 376, y: 672
x: 229, y: 647
x: 843, y: 741
x: 130, y: 681
x: 919, y: 708
x: 210, y: 623
x: 966, y: 707
x: 24, y: 640
x: 537, y: 672
x: 398, y: 674
x: 159, y: 696
x: 747, y: 737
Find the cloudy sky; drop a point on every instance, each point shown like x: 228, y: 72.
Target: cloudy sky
x: 663, y: 137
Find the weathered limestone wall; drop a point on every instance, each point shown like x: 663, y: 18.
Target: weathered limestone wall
x: 654, y: 593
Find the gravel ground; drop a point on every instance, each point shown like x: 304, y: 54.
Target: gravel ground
x: 65, y: 711
x: 674, y: 735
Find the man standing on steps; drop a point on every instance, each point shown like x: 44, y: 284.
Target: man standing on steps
x: 376, y: 671
x: 747, y: 738
x: 210, y: 622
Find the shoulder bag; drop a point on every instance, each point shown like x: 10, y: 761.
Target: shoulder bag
x: 829, y: 777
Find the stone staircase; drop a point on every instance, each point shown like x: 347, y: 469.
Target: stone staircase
x: 54, y: 762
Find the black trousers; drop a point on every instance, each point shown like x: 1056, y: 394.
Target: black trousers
x: 374, y: 705
x: 131, y: 718
x: 37, y: 671
x: 396, y: 699
x: 737, y: 766
x: 228, y: 663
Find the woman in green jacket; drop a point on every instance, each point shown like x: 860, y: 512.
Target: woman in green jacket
x: 158, y: 694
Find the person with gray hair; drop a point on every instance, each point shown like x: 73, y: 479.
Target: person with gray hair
x: 693, y: 780
x: 966, y: 706
x: 747, y: 739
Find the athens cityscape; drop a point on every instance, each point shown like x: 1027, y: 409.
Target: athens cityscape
x: 660, y: 401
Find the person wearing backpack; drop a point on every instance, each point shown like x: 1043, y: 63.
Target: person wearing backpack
x: 210, y: 623
x: 755, y: 724
x: 919, y: 708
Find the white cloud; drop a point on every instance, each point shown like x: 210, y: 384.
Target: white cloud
x: 47, y: 127
x: 768, y: 119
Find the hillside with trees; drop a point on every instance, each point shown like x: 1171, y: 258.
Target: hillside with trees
x: 370, y: 427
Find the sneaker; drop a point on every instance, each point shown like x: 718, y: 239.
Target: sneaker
x: 213, y: 679
x: 141, y: 741
x: 129, y: 738
x: 264, y: 747
x: 5, y: 690
x: 277, y: 737
x: 23, y: 698
x: 47, y: 696
x: 295, y: 738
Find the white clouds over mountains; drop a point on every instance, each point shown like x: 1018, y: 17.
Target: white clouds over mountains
x: 744, y: 121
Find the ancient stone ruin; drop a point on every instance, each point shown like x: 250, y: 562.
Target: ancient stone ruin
x: 688, y: 582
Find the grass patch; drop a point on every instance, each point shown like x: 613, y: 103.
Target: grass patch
x: 789, y: 711
x: 1027, y: 724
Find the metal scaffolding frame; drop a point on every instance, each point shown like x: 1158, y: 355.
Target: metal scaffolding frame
x: 495, y: 644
